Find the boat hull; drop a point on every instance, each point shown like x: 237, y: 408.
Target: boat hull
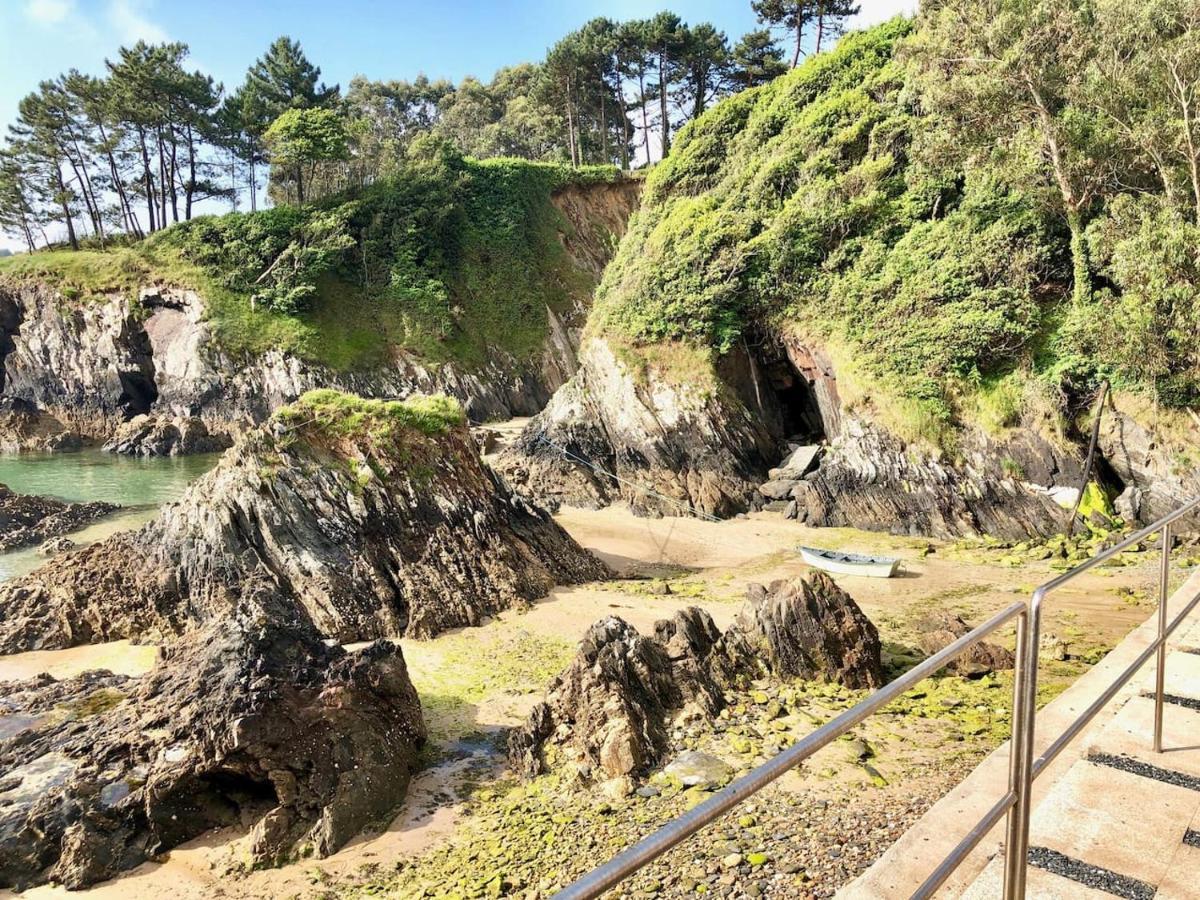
x: 877, y: 567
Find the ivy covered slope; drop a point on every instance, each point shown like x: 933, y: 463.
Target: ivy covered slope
x: 450, y: 262
x: 805, y: 245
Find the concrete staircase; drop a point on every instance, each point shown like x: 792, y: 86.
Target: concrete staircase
x: 1117, y: 824
x: 1111, y: 817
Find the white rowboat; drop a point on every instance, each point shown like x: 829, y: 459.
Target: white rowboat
x: 850, y: 563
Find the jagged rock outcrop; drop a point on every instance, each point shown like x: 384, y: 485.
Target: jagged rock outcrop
x: 80, y: 370
x: 609, y: 709
x: 1152, y: 468
x: 713, y: 448
x: 938, y: 631
x: 152, y: 435
x: 250, y: 720
x: 374, y: 519
x: 870, y: 479
x: 611, y: 702
x: 26, y: 519
x: 801, y: 627
x: 670, y: 447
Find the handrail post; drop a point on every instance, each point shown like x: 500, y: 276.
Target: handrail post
x: 1016, y: 843
x: 1160, y: 676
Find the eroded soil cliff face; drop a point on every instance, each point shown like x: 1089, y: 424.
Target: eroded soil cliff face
x: 371, y: 518
x: 73, y: 371
x: 676, y: 445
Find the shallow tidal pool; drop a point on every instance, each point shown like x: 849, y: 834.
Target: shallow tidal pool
x: 139, y: 485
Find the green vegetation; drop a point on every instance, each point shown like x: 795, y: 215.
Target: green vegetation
x: 795, y: 205
x: 956, y: 277
x: 450, y: 259
x: 347, y: 415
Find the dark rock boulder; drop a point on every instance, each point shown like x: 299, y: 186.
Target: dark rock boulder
x: 610, y: 705
x: 940, y: 630
x: 804, y: 627
x: 26, y: 519
x: 246, y: 720
x: 609, y: 710
x: 373, y: 519
x: 153, y: 435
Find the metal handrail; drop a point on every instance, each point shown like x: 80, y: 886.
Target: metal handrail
x: 629, y: 861
x: 1023, y: 769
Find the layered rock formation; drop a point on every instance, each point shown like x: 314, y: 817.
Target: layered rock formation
x: 610, y: 708
x: 371, y: 518
x: 80, y: 371
x: 249, y: 720
x: 870, y: 479
x: 151, y: 435
x: 26, y: 519
x: 615, y: 434
x: 721, y: 448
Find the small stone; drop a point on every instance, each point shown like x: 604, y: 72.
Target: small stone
x: 757, y: 859
x: 732, y: 861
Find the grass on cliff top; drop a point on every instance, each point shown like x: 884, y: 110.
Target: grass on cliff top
x: 347, y: 415
x: 449, y: 259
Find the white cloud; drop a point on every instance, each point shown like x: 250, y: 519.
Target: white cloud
x: 49, y: 12
x: 129, y: 18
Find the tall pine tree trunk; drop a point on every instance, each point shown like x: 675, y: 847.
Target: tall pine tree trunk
x: 645, y: 118
x: 799, y: 41
x: 147, y: 178
x: 662, y: 101
x: 66, y: 206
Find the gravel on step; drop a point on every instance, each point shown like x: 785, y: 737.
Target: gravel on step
x: 1092, y: 876
x: 1137, y: 767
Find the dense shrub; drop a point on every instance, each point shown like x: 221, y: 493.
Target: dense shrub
x: 798, y: 205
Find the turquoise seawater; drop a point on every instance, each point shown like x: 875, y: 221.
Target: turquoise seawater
x: 140, y: 486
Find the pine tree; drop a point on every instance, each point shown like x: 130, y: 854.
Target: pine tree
x: 283, y: 78
x: 793, y: 15
x: 831, y: 16
x: 705, y: 67
x: 756, y: 59
x: 666, y: 40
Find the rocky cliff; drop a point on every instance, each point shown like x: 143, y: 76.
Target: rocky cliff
x: 711, y: 445
x: 76, y: 369
x: 793, y: 225
x: 372, y: 518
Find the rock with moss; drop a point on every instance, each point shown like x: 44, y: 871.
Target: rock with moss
x: 608, y: 711
x: 373, y: 518
x: 253, y: 719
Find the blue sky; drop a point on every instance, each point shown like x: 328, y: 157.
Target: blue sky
x: 376, y: 38
x: 381, y: 39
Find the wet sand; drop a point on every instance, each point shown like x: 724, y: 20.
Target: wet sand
x: 474, y: 682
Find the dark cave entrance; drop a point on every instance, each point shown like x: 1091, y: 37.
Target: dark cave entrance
x: 798, y: 411
x: 138, y: 393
